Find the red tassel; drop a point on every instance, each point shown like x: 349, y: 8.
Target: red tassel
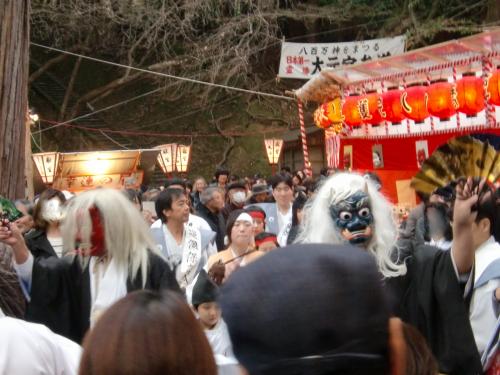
x: 98, y: 246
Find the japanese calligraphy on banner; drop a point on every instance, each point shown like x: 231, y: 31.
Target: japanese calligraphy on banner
x: 305, y: 60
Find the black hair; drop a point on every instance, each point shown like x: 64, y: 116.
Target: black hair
x: 175, y: 181
x: 445, y: 212
x: 220, y: 172
x: 279, y: 178
x: 324, y: 171
x: 487, y: 208
x: 286, y: 169
x: 298, y: 204
x: 165, y: 200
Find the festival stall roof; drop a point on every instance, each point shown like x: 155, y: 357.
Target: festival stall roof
x: 119, y: 163
x: 433, y: 62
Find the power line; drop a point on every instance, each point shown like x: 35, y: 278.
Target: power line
x: 172, y: 135
x: 165, y: 75
x: 99, y: 110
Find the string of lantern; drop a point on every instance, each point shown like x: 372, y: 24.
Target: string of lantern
x: 441, y: 99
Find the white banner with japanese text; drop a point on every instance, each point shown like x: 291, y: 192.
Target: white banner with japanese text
x: 305, y: 60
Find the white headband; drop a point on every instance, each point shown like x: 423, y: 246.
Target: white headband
x: 244, y: 217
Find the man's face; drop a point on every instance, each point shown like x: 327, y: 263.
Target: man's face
x: 238, y: 196
x: 354, y: 219
x: 26, y: 222
x: 179, y: 211
x: 222, y: 180
x: 283, y: 194
x: 209, y: 313
x: 260, y: 198
x: 217, y: 201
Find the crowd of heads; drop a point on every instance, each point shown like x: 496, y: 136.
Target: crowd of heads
x: 290, y: 325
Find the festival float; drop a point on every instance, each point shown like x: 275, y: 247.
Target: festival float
x: 389, y: 115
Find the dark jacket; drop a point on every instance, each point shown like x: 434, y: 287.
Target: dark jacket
x: 216, y: 222
x: 60, y: 292
x: 228, y: 208
x: 39, y: 245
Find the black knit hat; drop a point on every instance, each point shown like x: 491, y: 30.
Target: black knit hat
x: 308, y: 309
x: 204, y: 290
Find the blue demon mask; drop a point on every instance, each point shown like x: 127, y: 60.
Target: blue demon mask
x: 354, y: 219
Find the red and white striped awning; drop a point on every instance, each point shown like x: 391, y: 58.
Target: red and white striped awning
x: 429, y: 63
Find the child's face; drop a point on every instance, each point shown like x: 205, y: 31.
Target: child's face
x: 209, y: 314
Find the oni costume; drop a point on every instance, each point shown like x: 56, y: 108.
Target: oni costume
x: 68, y: 294
x: 421, y: 280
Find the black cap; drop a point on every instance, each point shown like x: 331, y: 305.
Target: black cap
x: 204, y: 290
x: 236, y: 185
x: 259, y: 189
x: 294, y: 307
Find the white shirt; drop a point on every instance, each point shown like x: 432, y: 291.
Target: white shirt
x: 284, y: 225
x: 57, y: 245
x: 33, y: 349
x: 482, y: 310
x: 219, y: 340
x: 193, y: 221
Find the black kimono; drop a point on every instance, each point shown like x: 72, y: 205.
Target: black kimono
x: 39, y: 245
x: 430, y: 298
x: 61, y: 294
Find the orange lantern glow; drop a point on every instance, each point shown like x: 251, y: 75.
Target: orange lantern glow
x: 334, y: 111
x: 414, y: 102
x: 391, y: 104
x: 350, y: 110
x: 494, y: 88
x: 470, y: 95
x: 442, y: 100
x: 321, y: 117
x: 374, y: 102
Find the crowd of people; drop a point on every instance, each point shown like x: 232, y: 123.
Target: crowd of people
x: 285, y: 275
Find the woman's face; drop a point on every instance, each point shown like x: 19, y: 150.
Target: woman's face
x: 200, y: 185
x: 242, y: 233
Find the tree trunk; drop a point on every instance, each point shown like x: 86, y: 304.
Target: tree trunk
x: 14, y: 71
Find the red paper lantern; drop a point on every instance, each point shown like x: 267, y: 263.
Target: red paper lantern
x: 442, y: 101
x: 414, y: 102
x: 374, y: 105
x: 494, y: 88
x: 391, y: 104
x: 350, y: 110
x: 321, y: 117
x: 470, y: 95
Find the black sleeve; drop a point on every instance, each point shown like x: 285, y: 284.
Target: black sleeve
x: 161, y: 276
x: 55, y: 295
x: 438, y: 309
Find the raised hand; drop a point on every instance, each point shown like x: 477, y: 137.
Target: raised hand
x: 10, y: 233
x: 467, y: 195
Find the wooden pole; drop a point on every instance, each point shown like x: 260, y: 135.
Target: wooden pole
x: 14, y: 72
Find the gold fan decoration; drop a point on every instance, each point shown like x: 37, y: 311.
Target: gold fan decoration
x: 460, y: 157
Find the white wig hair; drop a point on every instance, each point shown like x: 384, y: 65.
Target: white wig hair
x: 126, y: 234
x: 318, y: 225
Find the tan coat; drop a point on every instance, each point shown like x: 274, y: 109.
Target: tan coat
x: 227, y: 255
